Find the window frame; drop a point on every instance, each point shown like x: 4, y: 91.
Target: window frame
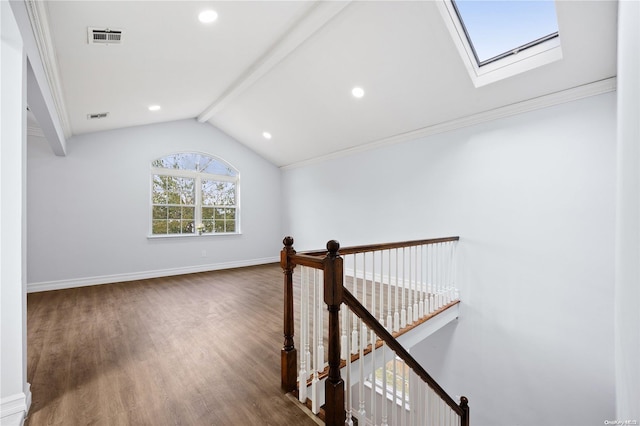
x: 502, y: 66
x: 198, y: 177
x: 513, y: 51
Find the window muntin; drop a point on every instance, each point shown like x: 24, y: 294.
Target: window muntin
x: 497, y: 29
x: 218, y: 206
x: 193, y: 193
x: 174, y: 205
x: 196, y: 162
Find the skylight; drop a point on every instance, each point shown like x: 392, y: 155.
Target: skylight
x: 497, y: 29
x: 502, y: 38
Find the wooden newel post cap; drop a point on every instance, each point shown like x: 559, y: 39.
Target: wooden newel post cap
x: 284, y: 254
x: 333, y: 246
x: 464, y: 402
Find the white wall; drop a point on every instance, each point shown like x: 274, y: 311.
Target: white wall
x: 15, y: 396
x: 628, y: 203
x: 88, y: 218
x: 533, y: 199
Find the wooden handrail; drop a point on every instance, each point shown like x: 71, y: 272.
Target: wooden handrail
x: 304, y: 259
x: 382, y: 246
x: 331, y: 262
x: 366, y: 316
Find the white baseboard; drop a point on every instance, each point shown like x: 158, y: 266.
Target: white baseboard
x: 116, y: 278
x: 14, y: 408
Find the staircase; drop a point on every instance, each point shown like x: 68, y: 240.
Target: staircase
x: 366, y: 305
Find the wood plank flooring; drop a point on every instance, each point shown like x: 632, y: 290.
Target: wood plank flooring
x: 199, y: 349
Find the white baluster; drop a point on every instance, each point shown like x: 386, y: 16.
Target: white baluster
x: 320, y: 320
x: 382, y: 317
x: 439, y: 410
x: 389, y: 314
x: 416, y: 402
x: 385, y: 390
x: 410, y: 291
x: 403, y: 310
x: 345, y: 329
x: 304, y: 340
x: 454, y: 284
x: 343, y: 338
x: 315, y: 403
x: 421, y: 292
x: 373, y: 379
x: 396, y: 313
x: 448, y: 281
x: 411, y: 414
x: 363, y: 340
x: 455, y: 270
x: 364, y: 283
x: 432, y: 407
x: 354, y: 333
x: 443, y: 276
x: 439, y: 276
x: 404, y: 394
x: 347, y: 380
x: 425, y: 405
x: 373, y: 284
x: 431, y: 277
x: 416, y: 296
x: 443, y: 271
x: 395, y: 413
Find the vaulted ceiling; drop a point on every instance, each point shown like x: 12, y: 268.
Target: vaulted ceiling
x: 288, y: 67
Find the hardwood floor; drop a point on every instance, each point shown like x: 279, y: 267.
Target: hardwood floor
x: 199, y: 349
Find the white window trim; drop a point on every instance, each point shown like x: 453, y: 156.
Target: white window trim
x: 536, y: 56
x: 198, y: 206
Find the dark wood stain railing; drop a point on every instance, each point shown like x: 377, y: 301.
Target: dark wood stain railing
x: 288, y: 355
x: 334, y: 295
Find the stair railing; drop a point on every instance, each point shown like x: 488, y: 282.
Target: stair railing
x: 399, y: 292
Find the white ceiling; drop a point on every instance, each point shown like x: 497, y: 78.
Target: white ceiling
x: 288, y: 67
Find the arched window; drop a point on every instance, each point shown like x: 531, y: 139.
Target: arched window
x: 193, y: 194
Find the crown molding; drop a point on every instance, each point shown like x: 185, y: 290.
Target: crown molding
x: 545, y: 101
x: 38, y: 16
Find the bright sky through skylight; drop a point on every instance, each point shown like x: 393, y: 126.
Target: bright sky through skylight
x: 496, y: 27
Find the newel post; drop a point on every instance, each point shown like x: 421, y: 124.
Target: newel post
x: 464, y: 404
x: 288, y: 355
x: 334, y: 385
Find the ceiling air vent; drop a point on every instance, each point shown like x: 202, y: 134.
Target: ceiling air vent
x: 104, y: 36
x: 97, y: 116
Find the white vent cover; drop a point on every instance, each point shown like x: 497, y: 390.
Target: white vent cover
x: 97, y: 115
x: 104, y: 36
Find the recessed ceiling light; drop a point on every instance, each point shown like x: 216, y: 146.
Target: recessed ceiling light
x: 358, y: 92
x: 154, y: 108
x: 266, y: 135
x: 208, y: 16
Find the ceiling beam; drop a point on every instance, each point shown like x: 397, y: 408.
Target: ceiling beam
x: 41, y: 97
x: 36, y: 99
x: 314, y: 18
x: 39, y: 18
